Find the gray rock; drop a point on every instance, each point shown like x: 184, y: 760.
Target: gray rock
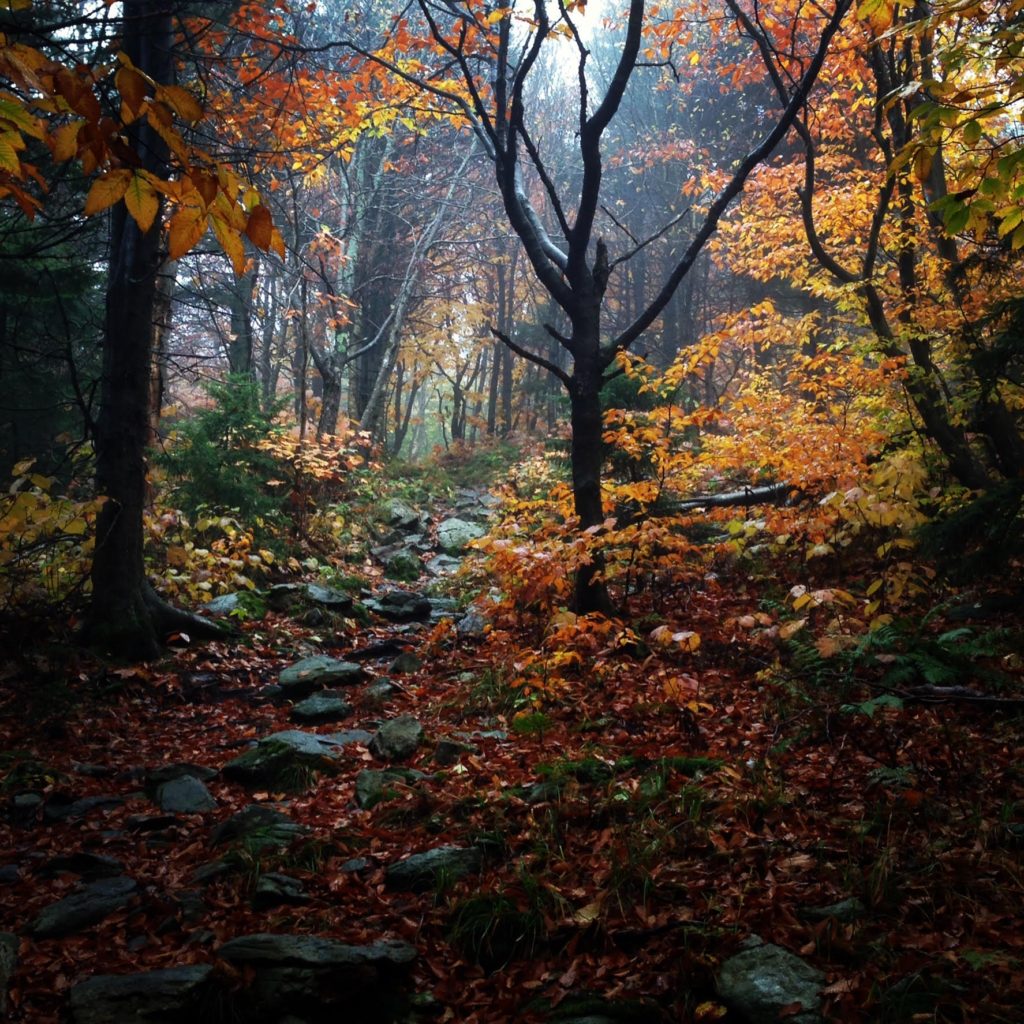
x: 9, y: 874
x: 89, y: 866
x: 454, y: 535
x: 401, y: 515
x: 762, y: 979
x: 373, y: 786
x: 169, y: 772
x: 844, y: 911
x: 406, y: 662
x: 185, y: 795
x: 448, y: 752
x: 472, y: 625
x: 274, y: 889
x: 403, y: 565
x: 325, y: 706
x: 444, y: 565
x: 156, y: 997
x: 347, y: 736
x: 258, y: 826
x: 397, y: 739
x: 328, y: 597
x: 315, y: 673
x: 379, y: 690
x: 8, y: 961
x: 223, y: 605
x: 423, y: 871
x: 58, y: 809
x: 401, y: 606
x: 87, y: 906
x: 355, y: 865
x: 320, y: 979
x: 282, y: 596
x: 287, y: 759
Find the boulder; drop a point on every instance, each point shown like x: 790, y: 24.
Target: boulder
x: 401, y: 606
x: 763, y: 979
x: 320, y: 980
x: 401, y: 515
x: 406, y: 662
x: 328, y: 597
x: 449, y: 752
x: 325, y: 706
x: 258, y: 826
x: 444, y: 565
x: 156, y: 997
x: 89, y: 866
x: 274, y: 889
x: 472, y: 625
x: 379, y: 690
x: 286, y: 760
x: 85, y: 907
x: 315, y: 673
x: 185, y: 795
x: 423, y: 871
x: 454, y: 535
x: 403, y: 565
x: 373, y: 786
x: 223, y: 605
x: 397, y: 739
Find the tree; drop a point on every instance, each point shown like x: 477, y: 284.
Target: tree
x: 487, y: 72
x: 138, y: 158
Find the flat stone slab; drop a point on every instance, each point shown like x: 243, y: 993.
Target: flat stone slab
x: 328, y: 596
x: 423, y: 871
x: 763, y: 979
x: 312, y: 951
x: 454, y: 535
x: 89, y: 905
x: 320, y: 980
x: 325, y: 706
x: 315, y: 673
x: 155, y: 997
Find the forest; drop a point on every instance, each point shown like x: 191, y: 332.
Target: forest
x: 511, y: 510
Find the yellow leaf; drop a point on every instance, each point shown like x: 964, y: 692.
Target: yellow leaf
x: 181, y: 101
x: 588, y: 914
x: 142, y: 201
x: 687, y: 640
x: 106, y: 191
x: 184, y: 230
x: 9, y: 160
x: 790, y: 629
x: 64, y: 141
x: 76, y: 527
x: 231, y: 242
x: 923, y: 164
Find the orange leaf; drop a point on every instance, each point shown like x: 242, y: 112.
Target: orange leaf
x: 260, y: 227
x: 133, y: 89
x: 107, y: 190
x: 185, y: 229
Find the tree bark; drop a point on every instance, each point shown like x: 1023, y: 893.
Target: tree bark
x: 126, y: 617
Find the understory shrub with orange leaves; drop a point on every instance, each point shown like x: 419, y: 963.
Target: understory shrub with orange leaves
x: 817, y: 423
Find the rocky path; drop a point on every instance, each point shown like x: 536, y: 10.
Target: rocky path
x: 270, y: 831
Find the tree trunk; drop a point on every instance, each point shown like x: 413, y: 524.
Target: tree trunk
x: 126, y: 618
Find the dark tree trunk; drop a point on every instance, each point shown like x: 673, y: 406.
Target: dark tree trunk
x: 126, y: 618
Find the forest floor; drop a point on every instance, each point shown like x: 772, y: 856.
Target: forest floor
x: 635, y: 826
